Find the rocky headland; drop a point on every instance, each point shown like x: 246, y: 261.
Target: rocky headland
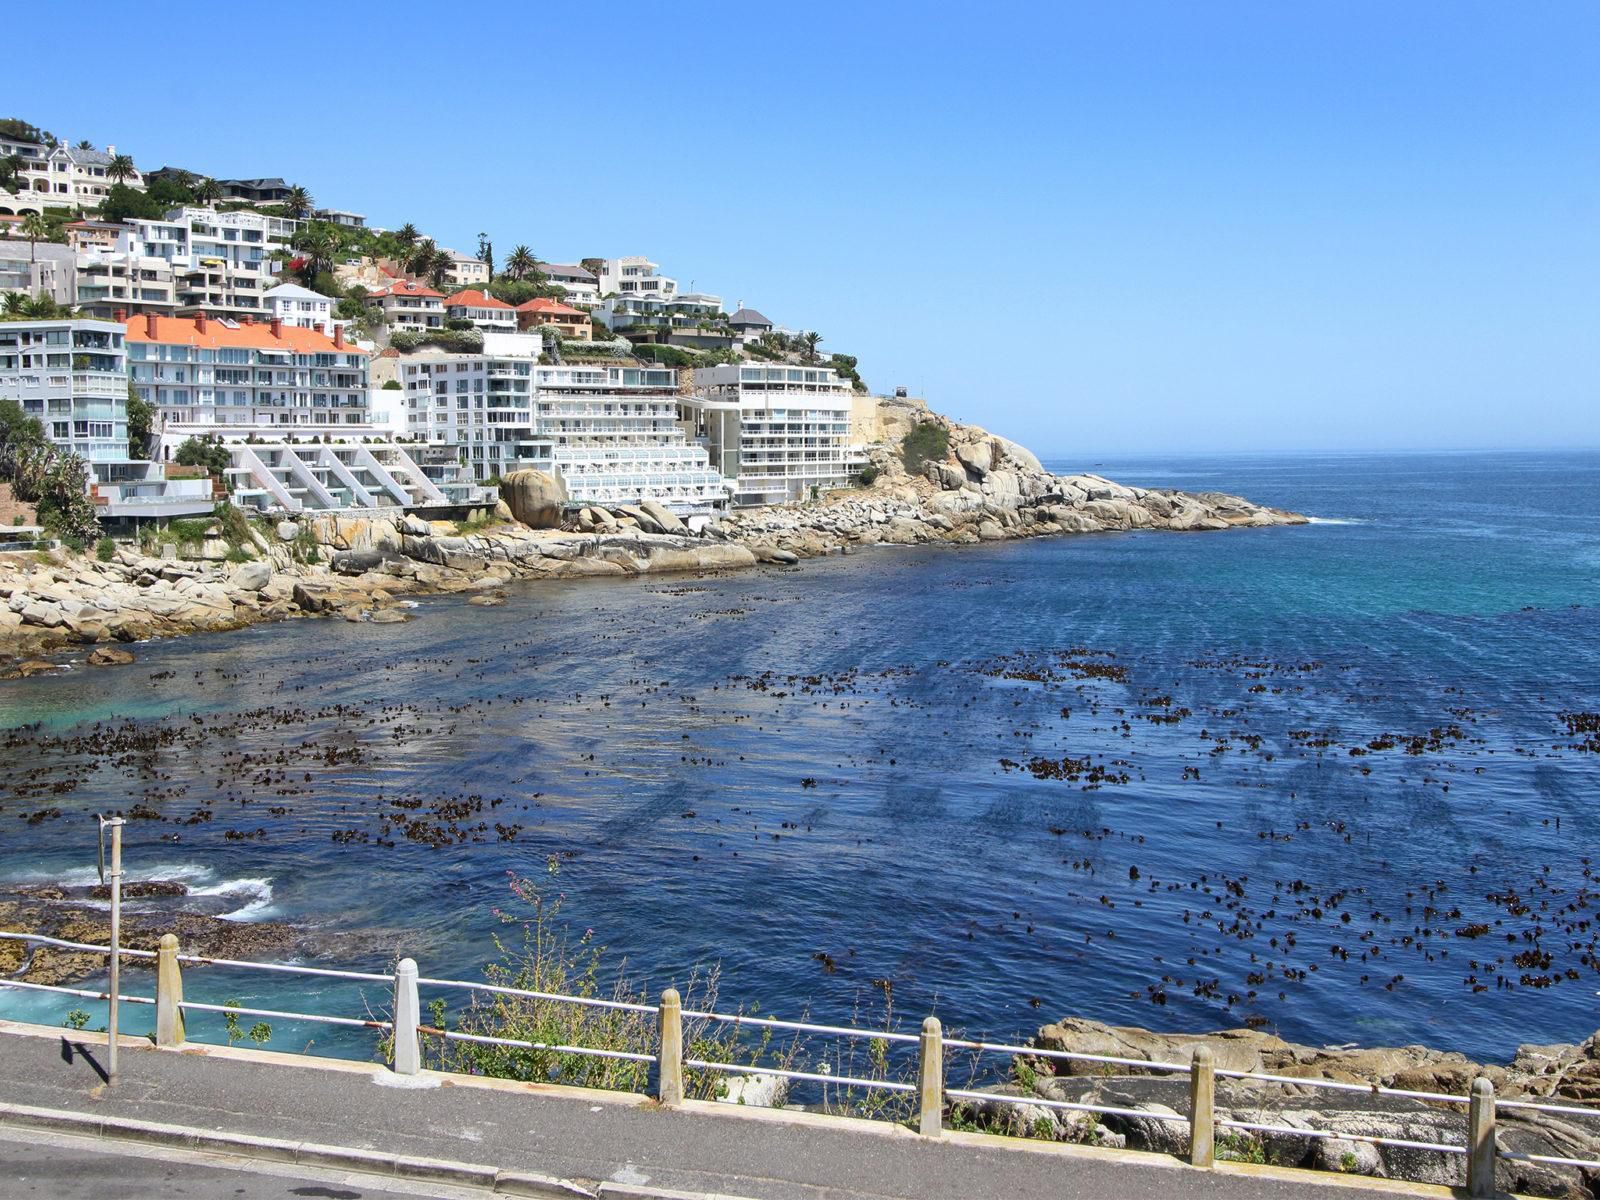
x: 1566, y: 1075
x: 979, y: 488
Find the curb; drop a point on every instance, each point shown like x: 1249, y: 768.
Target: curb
x: 312, y: 1154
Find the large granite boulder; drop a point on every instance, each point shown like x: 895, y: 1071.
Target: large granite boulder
x: 534, y: 498
x: 977, y: 457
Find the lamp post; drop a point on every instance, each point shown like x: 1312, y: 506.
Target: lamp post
x: 115, y: 825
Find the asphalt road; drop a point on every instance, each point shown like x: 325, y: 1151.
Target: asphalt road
x: 589, y: 1138
x: 54, y: 1167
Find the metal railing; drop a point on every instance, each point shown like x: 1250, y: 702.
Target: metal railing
x: 406, y: 1031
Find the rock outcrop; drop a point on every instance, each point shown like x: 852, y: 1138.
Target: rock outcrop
x: 1564, y: 1074
x: 534, y: 498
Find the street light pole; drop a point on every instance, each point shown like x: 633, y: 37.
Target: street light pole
x: 115, y: 825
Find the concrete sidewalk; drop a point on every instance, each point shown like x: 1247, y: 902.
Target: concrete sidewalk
x: 576, y: 1141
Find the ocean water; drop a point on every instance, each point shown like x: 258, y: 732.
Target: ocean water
x: 1334, y: 781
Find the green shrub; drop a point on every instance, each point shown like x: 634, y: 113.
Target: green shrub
x: 105, y: 549
x: 926, y: 442
x: 868, y: 476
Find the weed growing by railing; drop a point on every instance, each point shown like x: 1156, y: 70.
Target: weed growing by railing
x: 538, y: 954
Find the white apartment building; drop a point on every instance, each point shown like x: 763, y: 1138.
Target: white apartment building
x: 611, y: 433
x: 300, y: 307
x: 71, y: 375
x: 779, y: 432
x: 634, y: 276
x: 110, y: 282
x: 221, y: 261
x: 408, y: 306
x: 484, y: 311
x: 580, y: 285
x: 40, y: 269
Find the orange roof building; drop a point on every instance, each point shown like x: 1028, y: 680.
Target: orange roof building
x: 408, y: 306
x: 573, y: 323
x: 210, y: 375
x: 485, y: 312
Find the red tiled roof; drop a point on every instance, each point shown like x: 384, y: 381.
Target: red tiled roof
x: 473, y: 298
x: 186, y: 331
x: 405, y: 287
x: 554, y: 308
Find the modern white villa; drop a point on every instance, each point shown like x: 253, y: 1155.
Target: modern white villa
x: 580, y: 285
x: 634, y: 276
x: 780, y: 433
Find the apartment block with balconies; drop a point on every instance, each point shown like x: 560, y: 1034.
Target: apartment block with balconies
x: 781, y: 433
x: 611, y: 433
x: 221, y: 262
x: 220, y: 377
x: 70, y: 375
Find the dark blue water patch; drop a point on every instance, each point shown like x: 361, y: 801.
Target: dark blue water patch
x: 1314, y: 779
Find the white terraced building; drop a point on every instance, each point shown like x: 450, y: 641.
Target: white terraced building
x: 221, y: 261
x: 71, y: 376
x: 291, y: 407
x: 780, y: 433
x: 610, y: 432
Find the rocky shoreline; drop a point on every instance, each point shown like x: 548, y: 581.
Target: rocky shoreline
x: 1557, y: 1074
x: 985, y: 489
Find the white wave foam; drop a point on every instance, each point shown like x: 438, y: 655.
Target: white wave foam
x: 258, y: 891
x: 1334, y: 521
x: 190, y: 873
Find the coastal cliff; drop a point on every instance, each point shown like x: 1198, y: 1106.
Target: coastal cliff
x: 973, y: 487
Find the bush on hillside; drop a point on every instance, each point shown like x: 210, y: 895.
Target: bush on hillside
x: 927, y: 442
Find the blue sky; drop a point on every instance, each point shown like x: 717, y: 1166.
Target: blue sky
x: 1098, y: 228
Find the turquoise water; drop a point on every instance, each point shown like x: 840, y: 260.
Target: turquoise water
x: 1109, y: 776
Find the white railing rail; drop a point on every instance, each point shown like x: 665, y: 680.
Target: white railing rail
x: 405, y: 1031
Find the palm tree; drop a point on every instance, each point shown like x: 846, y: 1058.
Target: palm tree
x: 297, y: 203
x: 321, y: 245
x: 120, y: 168
x: 16, y: 304
x: 521, y: 262
x: 810, y: 341
x: 10, y: 170
x: 420, y: 258
x: 407, y: 236
x: 86, y: 144
x: 441, y: 266
x: 34, y: 227
x: 208, y: 191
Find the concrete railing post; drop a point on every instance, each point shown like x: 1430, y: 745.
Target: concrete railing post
x: 1480, y: 1139
x: 930, y: 1078
x: 169, y: 993
x: 671, y: 1054
x: 407, y: 1016
x: 1202, y: 1109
